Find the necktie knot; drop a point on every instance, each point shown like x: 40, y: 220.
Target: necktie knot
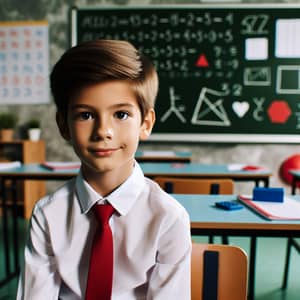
x: 103, y: 213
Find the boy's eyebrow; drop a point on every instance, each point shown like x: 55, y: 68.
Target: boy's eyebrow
x: 120, y: 105
x: 114, y: 106
x: 75, y: 106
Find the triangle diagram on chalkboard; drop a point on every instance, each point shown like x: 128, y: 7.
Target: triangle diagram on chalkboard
x: 202, y: 61
x: 209, y: 109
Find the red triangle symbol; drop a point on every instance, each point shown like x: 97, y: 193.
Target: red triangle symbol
x: 202, y: 61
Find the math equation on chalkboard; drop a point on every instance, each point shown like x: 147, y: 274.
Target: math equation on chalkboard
x: 24, y: 62
x: 227, y: 73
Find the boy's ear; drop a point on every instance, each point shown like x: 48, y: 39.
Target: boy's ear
x: 147, y: 125
x: 62, y: 126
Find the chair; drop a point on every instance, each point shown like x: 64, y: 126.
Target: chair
x: 197, y: 186
x: 292, y: 242
x: 218, y: 272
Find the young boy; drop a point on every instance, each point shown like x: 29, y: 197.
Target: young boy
x: 105, y: 92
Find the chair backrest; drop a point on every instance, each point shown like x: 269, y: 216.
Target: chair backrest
x: 219, y: 272
x: 195, y: 186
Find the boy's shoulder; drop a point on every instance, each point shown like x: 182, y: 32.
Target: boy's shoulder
x: 59, y: 197
x: 164, y: 201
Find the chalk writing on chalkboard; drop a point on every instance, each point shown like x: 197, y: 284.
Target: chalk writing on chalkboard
x: 227, y: 73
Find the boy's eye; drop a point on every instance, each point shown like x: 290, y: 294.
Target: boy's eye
x: 122, y: 115
x: 84, y: 115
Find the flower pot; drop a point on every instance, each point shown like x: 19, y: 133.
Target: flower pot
x: 6, y: 135
x: 34, y: 134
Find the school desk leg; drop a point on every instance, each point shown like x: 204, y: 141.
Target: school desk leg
x: 9, y: 274
x: 287, y: 263
x: 294, y: 185
x: 5, y: 235
x: 251, y: 284
x: 15, y: 227
x: 265, y: 182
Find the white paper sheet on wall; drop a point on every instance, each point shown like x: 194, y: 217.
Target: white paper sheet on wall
x: 256, y: 49
x: 287, y: 39
x: 24, y: 62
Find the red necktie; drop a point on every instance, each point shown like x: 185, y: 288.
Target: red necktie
x: 100, y: 276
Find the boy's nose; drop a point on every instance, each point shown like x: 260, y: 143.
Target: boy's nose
x: 102, y: 131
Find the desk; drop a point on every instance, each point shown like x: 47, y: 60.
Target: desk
x: 152, y: 170
x: 196, y: 170
x: 36, y: 172
x: 206, y: 219
x: 183, y: 170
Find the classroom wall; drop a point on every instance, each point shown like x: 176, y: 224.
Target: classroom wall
x: 56, y: 12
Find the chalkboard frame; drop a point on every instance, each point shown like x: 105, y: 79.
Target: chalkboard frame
x: 199, y: 137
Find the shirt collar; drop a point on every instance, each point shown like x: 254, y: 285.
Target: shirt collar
x: 122, y: 199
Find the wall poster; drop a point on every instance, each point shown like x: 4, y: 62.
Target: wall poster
x: 24, y: 62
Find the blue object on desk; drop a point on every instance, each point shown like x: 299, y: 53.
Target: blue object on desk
x: 268, y: 194
x: 229, y: 205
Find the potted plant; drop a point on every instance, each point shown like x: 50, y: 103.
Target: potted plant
x: 34, y: 130
x: 8, y: 122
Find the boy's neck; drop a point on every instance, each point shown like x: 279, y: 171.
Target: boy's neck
x: 105, y: 183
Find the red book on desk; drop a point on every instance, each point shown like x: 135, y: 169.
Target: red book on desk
x: 243, y: 167
x: 53, y: 165
x: 289, y: 209
x: 252, y: 168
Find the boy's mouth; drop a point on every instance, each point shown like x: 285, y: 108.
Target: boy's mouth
x: 103, y: 152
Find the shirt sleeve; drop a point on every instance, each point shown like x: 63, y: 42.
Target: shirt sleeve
x: 171, y: 276
x: 39, y: 278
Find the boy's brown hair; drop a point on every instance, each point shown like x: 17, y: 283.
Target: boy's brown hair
x: 98, y: 61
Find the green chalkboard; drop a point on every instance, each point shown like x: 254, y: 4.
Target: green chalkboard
x: 228, y: 73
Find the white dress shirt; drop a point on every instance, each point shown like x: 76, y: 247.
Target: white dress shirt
x: 151, y: 235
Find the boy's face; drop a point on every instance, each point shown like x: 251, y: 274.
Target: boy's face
x: 104, y: 126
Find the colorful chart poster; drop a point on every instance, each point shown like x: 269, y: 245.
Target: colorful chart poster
x: 24, y: 62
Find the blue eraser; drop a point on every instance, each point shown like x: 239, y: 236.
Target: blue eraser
x: 268, y: 194
x: 229, y: 205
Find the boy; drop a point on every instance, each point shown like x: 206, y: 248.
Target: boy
x: 105, y: 92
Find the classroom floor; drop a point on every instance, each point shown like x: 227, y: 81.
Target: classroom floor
x: 269, y: 267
